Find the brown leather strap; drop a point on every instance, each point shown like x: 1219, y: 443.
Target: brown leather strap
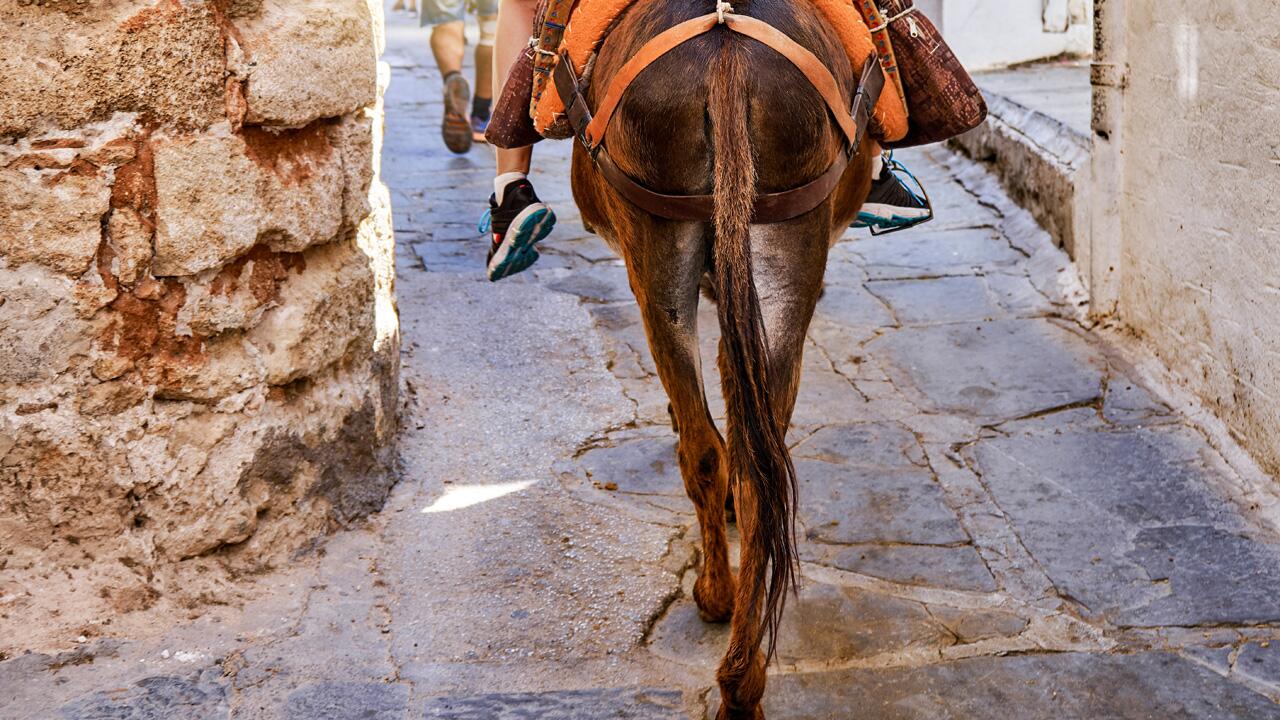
x: 769, y: 208
x: 806, y: 62
x: 660, y: 45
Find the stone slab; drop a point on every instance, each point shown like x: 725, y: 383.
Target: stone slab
x: 848, y: 504
x: 955, y: 567
x: 1036, y: 138
x: 620, y: 703
x: 1000, y: 370
x: 1260, y: 661
x: 367, y: 701
x: 853, y: 306
x: 1125, y: 524
x: 1128, y: 403
x: 198, y: 696
x: 824, y: 623
x: 938, y: 300
x: 949, y: 252
x: 600, y: 283
x: 1146, y: 686
x: 867, y: 483
x: 1058, y: 89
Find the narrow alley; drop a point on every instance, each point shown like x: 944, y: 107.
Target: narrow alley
x: 996, y: 517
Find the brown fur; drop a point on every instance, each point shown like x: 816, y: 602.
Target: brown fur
x: 748, y: 123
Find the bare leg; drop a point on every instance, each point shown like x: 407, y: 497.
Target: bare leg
x: 447, y: 44
x: 515, y: 22
x: 484, y: 57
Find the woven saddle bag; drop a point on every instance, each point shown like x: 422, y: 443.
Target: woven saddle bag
x: 942, y: 100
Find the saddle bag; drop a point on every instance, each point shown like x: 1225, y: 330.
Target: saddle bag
x: 511, y: 125
x: 942, y: 100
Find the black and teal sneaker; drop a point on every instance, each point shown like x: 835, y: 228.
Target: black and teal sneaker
x: 517, y: 223
x: 892, y: 204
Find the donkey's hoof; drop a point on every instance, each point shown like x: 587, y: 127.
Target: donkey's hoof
x: 713, y: 606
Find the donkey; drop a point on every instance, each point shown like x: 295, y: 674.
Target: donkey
x: 727, y: 116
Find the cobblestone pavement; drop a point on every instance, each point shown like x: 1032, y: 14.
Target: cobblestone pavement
x: 997, y: 520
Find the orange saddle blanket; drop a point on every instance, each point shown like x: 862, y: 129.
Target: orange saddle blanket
x: 591, y: 20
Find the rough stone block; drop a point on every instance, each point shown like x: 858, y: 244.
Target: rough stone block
x: 220, y: 193
x: 74, y: 63
x: 40, y: 331
x: 51, y: 459
x: 324, y: 314
x: 52, y: 215
x: 215, y: 369
x: 302, y: 62
x: 130, y: 237
x: 235, y: 296
x: 353, y: 136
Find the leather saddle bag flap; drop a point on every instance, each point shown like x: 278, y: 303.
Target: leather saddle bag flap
x: 510, y: 125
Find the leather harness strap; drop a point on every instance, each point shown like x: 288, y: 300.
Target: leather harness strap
x: 769, y: 208
x: 652, y: 50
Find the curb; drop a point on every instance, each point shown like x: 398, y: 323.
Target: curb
x: 1042, y: 163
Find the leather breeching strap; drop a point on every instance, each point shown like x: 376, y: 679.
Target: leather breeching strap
x: 590, y: 128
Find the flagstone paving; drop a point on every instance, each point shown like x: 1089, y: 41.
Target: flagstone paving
x: 996, y: 518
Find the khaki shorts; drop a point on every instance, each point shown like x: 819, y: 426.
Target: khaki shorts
x: 439, y: 12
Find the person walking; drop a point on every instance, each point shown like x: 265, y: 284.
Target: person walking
x: 465, y: 117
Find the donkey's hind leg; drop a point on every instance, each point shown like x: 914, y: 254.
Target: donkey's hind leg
x: 665, y: 275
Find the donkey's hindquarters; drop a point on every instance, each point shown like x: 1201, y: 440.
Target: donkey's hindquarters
x: 727, y: 115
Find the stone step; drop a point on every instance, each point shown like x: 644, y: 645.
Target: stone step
x: 1036, y: 139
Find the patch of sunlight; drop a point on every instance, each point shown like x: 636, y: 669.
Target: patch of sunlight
x: 464, y: 496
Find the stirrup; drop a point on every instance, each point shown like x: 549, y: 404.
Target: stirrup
x: 893, y: 166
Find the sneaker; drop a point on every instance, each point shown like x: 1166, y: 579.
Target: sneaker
x: 455, y: 129
x: 892, y: 204
x: 518, y: 223
x: 478, y: 126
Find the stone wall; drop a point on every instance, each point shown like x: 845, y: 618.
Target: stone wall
x: 198, y: 338
x: 1187, y: 105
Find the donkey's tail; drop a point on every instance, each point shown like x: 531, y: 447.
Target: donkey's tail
x: 761, y: 472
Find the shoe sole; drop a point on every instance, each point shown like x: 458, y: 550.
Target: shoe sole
x: 517, y: 251
x: 456, y: 127
x: 890, y: 216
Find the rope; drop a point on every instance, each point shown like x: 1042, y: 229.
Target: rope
x: 534, y: 45
x: 722, y: 8
x: 895, y: 18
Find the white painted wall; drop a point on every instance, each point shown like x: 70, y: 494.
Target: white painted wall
x: 994, y: 33
x: 1187, y: 160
